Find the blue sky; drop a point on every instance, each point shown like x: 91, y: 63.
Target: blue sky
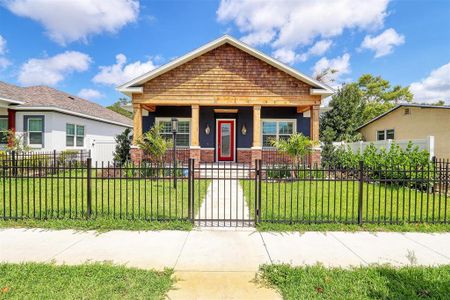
x: 88, y: 47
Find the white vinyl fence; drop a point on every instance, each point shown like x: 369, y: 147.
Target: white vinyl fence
x: 423, y: 144
x: 102, y: 151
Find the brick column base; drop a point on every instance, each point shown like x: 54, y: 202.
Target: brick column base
x: 137, y: 155
x: 207, y: 155
x: 244, y: 156
x: 315, y: 157
x: 195, y: 153
x: 256, y: 155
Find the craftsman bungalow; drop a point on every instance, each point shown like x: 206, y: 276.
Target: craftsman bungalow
x: 230, y: 99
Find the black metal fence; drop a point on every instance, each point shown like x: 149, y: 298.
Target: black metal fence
x: 52, y: 189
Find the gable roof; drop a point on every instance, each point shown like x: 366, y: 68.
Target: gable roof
x: 47, y: 98
x: 134, y: 85
x: 402, y: 105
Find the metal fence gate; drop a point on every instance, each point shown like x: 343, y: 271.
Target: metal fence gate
x: 224, y: 194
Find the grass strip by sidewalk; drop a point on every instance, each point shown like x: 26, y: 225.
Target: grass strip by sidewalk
x: 373, y: 282
x: 100, y: 224
x: 89, y: 281
x: 405, y: 227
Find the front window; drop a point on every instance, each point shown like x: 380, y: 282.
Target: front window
x: 3, y: 130
x: 35, y: 131
x: 74, y: 135
x: 183, y: 133
x: 274, y: 130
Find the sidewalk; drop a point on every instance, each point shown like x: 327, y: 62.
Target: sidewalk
x: 223, y: 250
x: 212, y: 263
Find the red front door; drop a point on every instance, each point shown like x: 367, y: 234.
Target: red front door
x: 225, y: 140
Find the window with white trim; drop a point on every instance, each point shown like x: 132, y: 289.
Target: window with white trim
x: 183, y: 134
x: 74, y: 135
x: 3, y: 130
x: 276, y: 130
x: 388, y: 134
x: 35, y: 128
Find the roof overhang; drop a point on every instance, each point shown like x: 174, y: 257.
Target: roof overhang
x: 131, y: 86
x: 4, y: 102
x: 68, y: 112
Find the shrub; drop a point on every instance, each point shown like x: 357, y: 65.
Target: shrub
x: 123, y: 147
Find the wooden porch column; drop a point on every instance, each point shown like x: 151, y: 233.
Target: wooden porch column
x: 137, y: 122
x: 314, y: 123
x: 257, y: 126
x: 195, y: 119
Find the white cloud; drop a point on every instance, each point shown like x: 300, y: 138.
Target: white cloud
x: 287, y: 25
x: 290, y: 57
x: 434, y: 87
x: 341, y: 64
x: 121, y: 72
x: 68, y: 21
x: 52, y: 70
x: 4, y: 63
x: 90, y: 94
x: 2, y: 45
x: 384, y: 43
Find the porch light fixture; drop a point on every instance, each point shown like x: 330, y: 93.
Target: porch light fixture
x: 174, y: 125
x: 207, y: 129
x: 244, y: 130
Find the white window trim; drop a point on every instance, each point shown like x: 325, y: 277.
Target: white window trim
x: 5, y: 118
x: 277, y: 121
x: 385, y: 134
x: 167, y: 119
x: 75, y: 137
x: 28, y: 132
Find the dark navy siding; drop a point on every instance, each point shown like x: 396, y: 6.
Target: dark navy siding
x: 173, y: 111
x: 244, y: 117
x: 148, y: 122
x: 287, y: 113
x: 207, y: 118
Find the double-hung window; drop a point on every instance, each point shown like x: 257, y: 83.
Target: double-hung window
x: 3, y: 130
x: 388, y: 134
x: 274, y: 130
x: 183, y: 134
x: 35, y: 131
x: 74, y: 135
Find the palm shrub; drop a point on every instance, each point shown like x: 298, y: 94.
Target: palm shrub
x: 154, y: 145
x: 297, y: 146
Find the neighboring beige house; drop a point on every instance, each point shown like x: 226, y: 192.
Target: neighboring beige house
x: 412, y: 121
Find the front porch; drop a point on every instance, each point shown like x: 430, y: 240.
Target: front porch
x: 238, y: 133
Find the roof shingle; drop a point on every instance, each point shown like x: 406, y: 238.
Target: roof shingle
x: 44, y: 96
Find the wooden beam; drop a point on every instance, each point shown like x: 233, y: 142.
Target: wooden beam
x: 149, y: 108
x: 302, y: 109
x: 137, y: 123
x: 195, y: 119
x: 257, y: 126
x: 314, y: 123
x: 226, y: 110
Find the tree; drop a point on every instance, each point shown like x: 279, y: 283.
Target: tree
x: 123, y: 147
x: 378, y: 96
x: 328, y: 137
x: 345, y: 114
x: 326, y: 75
x: 117, y: 107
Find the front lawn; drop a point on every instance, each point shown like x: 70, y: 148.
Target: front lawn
x: 316, y: 201
x: 89, y: 281
x: 374, y: 282
x: 50, y: 197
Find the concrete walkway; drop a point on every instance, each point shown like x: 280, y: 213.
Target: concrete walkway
x: 225, y: 252
x: 224, y: 200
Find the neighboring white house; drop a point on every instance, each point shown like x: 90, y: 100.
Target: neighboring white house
x: 53, y: 120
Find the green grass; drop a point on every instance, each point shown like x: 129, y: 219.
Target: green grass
x: 337, y: 202
x: 373, y: 282
x: 89, y: 281
x: 99, y: 224
x: 49, y: 198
